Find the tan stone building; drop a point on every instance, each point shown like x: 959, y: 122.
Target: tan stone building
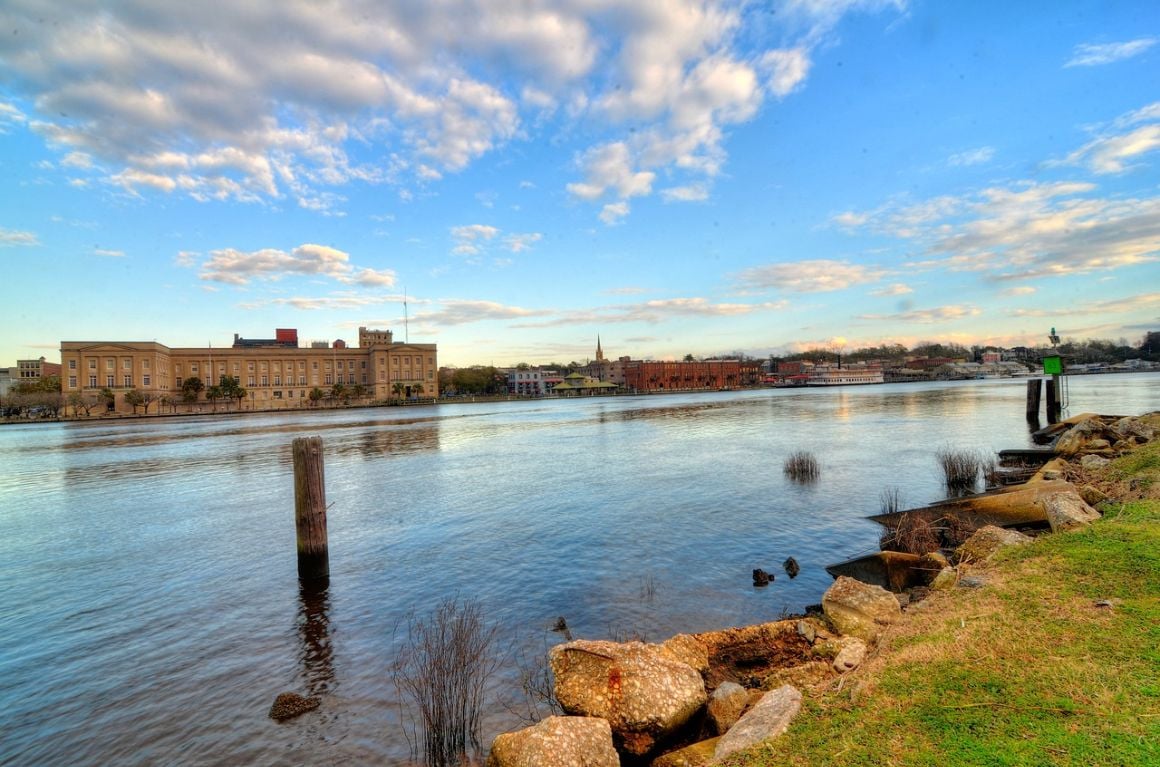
x: 275, y: 375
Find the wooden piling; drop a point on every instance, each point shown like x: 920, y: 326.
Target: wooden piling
x: 1034, y: 390
x: 1053, y: 405
x: 310, y: 508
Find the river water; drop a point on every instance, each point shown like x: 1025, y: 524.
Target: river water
x: 152, y: 610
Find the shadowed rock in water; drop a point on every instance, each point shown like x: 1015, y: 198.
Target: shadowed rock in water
x: 791, y: 567
x: 290, y: 704
x: 762, y: 578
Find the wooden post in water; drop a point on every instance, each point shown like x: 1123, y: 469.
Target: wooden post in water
x: 310, y: 509
x: 1053, y: 407
x: 1034, y: 389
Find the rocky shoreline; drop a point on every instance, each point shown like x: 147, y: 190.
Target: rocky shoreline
x: 697, y: 698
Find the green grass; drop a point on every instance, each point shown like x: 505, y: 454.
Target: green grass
x: 1028, y: 670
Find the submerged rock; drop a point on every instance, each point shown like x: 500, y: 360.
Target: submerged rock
x: 290, y: 704
x: 791, y: 567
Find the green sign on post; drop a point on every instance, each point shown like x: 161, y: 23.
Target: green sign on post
x: 1053, y: 366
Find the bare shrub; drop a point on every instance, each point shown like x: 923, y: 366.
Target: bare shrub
x: 537, y: 687
x: 911, y: 534
x: 956, y: 531
x: 802, y: 466
x: 961, y: 469
x: 442, y: 671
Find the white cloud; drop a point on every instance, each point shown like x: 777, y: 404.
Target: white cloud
x: 1098, y: 54
x: 1027, y: 230
x: 109, y: 253
x: 12, y: 237
x: 1111, y: 154
x: 786, y: 69
x: 613, y: 213
x: 10, y: 115
x: 237, y: 267
x: 276, y: 99
x: 518, y: 243
x: 463, y: 312
x: 897, y: 289
x: 977, y: 156
x: 810, y: 276
x: 691, y: 193
x: 928, y: 316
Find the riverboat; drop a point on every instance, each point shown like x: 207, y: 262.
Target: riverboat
x: 844, y: 377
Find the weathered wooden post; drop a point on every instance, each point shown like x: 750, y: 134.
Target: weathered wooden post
x: 310, y: 509
x: 1053, y: 408
x: 1034, y: 390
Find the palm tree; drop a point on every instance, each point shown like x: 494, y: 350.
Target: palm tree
x: 397, y: 389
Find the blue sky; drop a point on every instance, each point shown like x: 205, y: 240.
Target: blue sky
x: 675, y: 177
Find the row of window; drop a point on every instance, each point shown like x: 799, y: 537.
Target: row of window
x: 111, y: 381
x: 110, y: 363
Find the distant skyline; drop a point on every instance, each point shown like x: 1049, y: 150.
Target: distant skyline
x: 675, y: 177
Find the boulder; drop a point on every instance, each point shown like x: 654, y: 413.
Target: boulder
x: 696, y: 755
x: 985, y: 541
x: 1067, y: 511
x: 945, y: 579
x: 1092, y: 462
x: 859, y: 609
x: 725, y: 706
x: 1093, y: 496
x: 688, y: 649
x: 851, y: 655
x: 558, y: 741
x: 768, y: 719
x: 1133, y: 427
x: 643, y: 693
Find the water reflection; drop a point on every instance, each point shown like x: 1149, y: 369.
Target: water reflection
x: 316, y: 651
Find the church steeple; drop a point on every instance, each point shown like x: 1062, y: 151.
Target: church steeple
x: 599, y: 351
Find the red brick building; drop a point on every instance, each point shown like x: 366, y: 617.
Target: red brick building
x: 682, y: 376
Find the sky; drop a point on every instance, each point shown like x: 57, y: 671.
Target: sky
x: 511, y: 179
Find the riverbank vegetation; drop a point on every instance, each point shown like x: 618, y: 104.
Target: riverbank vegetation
x: 1052, y: 661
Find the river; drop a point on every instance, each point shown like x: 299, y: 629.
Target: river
x: 151, y: 605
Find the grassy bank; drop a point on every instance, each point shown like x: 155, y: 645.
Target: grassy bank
x: 1054, y: 660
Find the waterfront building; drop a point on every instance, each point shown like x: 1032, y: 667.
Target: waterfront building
x: 275, y: 374
x: 576, y: 384
x: 26, y: 372
x: 641, y: 375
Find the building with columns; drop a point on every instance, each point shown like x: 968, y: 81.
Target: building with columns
x: 276, y: 373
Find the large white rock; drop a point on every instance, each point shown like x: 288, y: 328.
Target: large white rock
x: 859, y: 609
x: 769, y: 718
x: 1067, y: 511
x: 640, y: 689
x: 987, y: 540
x: 558, y: 741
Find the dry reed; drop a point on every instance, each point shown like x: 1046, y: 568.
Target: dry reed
x: 802, y: 466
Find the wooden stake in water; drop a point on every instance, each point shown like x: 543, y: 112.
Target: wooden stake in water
x: 1034, y: 388
x: 1054, y: 406
x: 310, y: 509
